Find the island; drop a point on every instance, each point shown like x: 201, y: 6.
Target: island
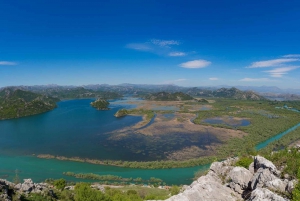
x: 100, y: 104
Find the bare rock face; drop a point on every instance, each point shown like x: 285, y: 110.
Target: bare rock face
x: 261, y: 162
x: 239, y: 178
x: 264, y: 194
x: 224, y: 182
x: 208, y: 187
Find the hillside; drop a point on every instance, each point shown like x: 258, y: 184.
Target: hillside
x: 15, y: 103
x: 165, y: 96
x: 77, y: 92
x: 232, y: 93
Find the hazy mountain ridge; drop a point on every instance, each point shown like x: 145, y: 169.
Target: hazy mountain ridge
x: 165, y: 96
x: 115, y: 91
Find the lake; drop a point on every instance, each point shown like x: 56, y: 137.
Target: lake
x: 75, y: 128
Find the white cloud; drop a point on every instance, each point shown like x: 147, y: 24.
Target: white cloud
x: 200, y: 63
x: 164, y: 43
x: 292, y: 56
x: 138, y: 46
x: 7, y: 63
x: 177, y: 54
x: 180, y: 80
x: 279, y: 72
x: 213, y: 78
x: 255, y: 80
x: 270, y: 63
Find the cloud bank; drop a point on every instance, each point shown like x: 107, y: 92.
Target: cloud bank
x: 200, y: 63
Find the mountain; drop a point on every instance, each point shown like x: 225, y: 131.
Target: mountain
x: 72, y: 92
x: 16, y: 103
x: 233, y: 93
x: 165, y: 96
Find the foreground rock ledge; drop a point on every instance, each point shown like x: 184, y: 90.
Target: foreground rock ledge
x: 224, y: 182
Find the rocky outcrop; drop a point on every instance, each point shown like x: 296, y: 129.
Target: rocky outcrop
x: 225, y: 182
x: 264, y: 194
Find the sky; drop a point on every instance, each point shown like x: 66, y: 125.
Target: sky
x: 186, y: 43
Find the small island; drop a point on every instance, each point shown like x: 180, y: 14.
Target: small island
x: 100, y: 104
x: 121, y: 113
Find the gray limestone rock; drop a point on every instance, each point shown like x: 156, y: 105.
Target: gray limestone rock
x: 239, y: 178
x: 263, y: 194
x: 261, y: 162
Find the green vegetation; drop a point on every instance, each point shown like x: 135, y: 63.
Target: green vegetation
x: 15, y: 103
x: 231, y: 93
x: 266, y: 121
x: 78, y: 92
x: 84, y: 192
x: 100, y: 104
x: 148, y: 114
x: 121, y: 113
x: 164, y: 96
x: 60, y: 184
x: 244, y: 162
x: 109, y: 178
x: 163, y: 164
x: 290, y: 160
x: 174, y: 190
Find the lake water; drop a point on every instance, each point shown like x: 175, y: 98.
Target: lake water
x: 77, y: 129
x: 229, y: 122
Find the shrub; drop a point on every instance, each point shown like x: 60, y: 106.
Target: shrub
x: 60, y: 184
x: 244, y: 162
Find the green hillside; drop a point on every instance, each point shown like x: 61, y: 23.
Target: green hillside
x: 165, y: 96
x: 15, y: 103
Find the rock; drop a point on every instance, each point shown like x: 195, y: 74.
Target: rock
x: 291, y: 185
x: 220, y: 168
x: 277, y: 185
x: 208, y: 187
x: 239, y: 179
x: 261, y: 177
x: 264, y: 194
x: 261, y: 162
x: 70, y: 188
x: 251, y: 168
x: 27, y: 186
x: 98, y: 187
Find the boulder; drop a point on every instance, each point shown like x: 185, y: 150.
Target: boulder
x: 251, y: 168
x: 264, y: 194
x: 261, y: 162
x: 239, y: 178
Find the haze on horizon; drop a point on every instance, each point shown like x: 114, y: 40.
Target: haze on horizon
x: 187, y: 43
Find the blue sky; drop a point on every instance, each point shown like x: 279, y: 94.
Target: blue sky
x: 187, y: 43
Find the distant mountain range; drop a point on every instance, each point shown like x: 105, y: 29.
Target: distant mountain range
x: 115, y: 91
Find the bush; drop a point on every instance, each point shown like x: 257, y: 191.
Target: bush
x: 244, y: 162
x: 174, y: 190
x: 60, y: 184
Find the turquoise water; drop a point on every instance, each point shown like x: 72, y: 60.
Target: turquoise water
x: 77, y: 129
x: 41, y: 169
x: 276, y: 137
